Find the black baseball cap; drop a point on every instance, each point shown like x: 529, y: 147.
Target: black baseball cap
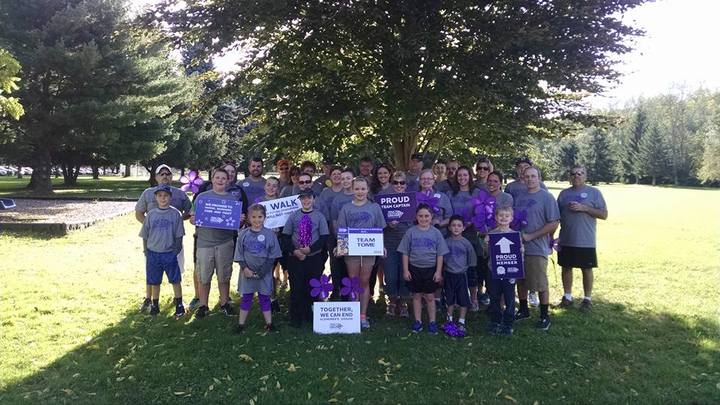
x: 306, y: 193
x: 417, y: 156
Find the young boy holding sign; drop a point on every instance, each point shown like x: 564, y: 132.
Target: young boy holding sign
x: 423, y: 248
x: 500, y: 288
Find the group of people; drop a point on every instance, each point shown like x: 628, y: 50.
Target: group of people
x: 439, y: 260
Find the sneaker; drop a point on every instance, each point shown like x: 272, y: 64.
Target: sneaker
x: 391, y: 309
x: 484, y: 299
x: 404, y: 313
x: 475, y: 307
x: 543, y: 324
x: 239, y: 328
x: 270, y: 328
x: 520, y: 315
x: 565, y: 303
x: 154, y: 310
x: 179, y: 311
x: 146, y: 304
x: 506, y: 330
x: 533, y: 299
x: 194, y: 303
x: 417, y: 327
x: 202, y: 311
x: 227, y: 309
x: 274, y: 306
x: 364, y: 323
x: 586, y: 306
x: 492, y: 328
x: 433, y: 328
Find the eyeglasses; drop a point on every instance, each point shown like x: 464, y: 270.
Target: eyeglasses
x: 576, y: 174
x: 398, y: 183
x: 483, y: 168
x: 305, y: 182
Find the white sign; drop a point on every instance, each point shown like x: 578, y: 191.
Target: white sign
x: 279, y: 210
x: 361, y: 241
x: 336, y: 317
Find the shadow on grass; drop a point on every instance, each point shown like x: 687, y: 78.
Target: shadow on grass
x: 32, y: 234
x: 614, y: 354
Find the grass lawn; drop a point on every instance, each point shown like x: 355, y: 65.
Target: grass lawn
x: 70, y: 332
x: 106, y: 186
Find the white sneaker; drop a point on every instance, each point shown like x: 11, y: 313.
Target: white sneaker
x: 533, y: 299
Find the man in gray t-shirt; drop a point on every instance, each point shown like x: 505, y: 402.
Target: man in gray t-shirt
x: 542, y: 218
x: 254, y: 184
x: 580, y: 207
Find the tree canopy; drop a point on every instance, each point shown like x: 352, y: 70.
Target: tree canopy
x: 337, y: 76
x: 9, y: 68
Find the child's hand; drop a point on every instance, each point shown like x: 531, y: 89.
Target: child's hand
x: 437, y: 277
x: 248, y: 273
x: 305, y: 250
x: 406, y: 275
x: 385, y: 253
x: 192, y: 219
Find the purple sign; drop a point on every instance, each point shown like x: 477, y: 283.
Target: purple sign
x: 506, y: 260
x: 218, y: 213
x: 398, y: 207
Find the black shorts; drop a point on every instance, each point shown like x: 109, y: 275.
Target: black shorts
x: 577, y: 257
x: 422, y: 280
x: 455, y: 289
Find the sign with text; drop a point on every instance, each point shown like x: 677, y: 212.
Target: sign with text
x: 218, y: 213
x: 336, y: 317
x: 506, y: 260
x: 279, y: 210
x: 398, y: 207
x: 360, y: 241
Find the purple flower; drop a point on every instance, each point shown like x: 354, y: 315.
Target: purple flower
x: 351, y: 287
x: 519, y: 220
x: 191, y: 182
x: 482, y: 214
x: 321, y: 287
x: 430, y: 200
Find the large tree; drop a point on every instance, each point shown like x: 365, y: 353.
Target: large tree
x: 96, y: 90
x: 413, y: 75
x: 9, y: 68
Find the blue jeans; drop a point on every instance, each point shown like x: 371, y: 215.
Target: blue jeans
x: 394, y: 282
x: 498, y: 288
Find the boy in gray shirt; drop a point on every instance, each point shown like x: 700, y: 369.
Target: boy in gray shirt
x: 162, y: 234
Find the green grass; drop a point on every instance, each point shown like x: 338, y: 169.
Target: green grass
x: 105, y: 187
x: 70, y: 332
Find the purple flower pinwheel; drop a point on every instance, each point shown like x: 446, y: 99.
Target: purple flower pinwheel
x: 483, y: 211
x: 321, y: 287
x: 429, y: 200
x: 519, y: 220
x: 351, y: 287
x: 191, y: 182
x: 554, y: 244
x: 452, y: 330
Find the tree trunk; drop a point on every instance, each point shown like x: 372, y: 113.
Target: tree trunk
x: 151, y: 180
x: 404, y: 148
x: 653, y: 180
x: 40, y: 182
x: 19, y: 173
x: 96, y: 172
x: 127, y: 170
x: 70, y: 174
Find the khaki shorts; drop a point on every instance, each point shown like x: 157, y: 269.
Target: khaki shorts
x: 216, y: 259
x: 536, y: 273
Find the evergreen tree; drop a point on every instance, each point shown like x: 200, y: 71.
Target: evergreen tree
x: 638, y: 129
x: 654, y: 157
x: 598, y: 157
x: 566, y: 156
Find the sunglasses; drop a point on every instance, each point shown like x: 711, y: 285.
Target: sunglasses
x: 483, y: 168
x: 576, y: 174
x: 398, y: 183
x: 305, y: 182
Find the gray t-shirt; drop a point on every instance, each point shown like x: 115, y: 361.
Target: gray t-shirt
x: 258, y: 251
x: 514, y: 188
x: 541, y: 208
x: 461, y: 255
x: 578, y: 229
x: 368, y: 215
x: 319, y: 184
x: 339, y: 201
x: 503, y: 199
x: 289, y: 190
x: 443, y: 186
x: 254, y: 189
x: 210, y: 237
x: 325, y: 200
x: 161, y: 228
x: 319, y: 226
x: 460, y: 202
x: 178, y: 199
x: 423, y: 247
x: 413, y: 181
x: 446, y: 209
